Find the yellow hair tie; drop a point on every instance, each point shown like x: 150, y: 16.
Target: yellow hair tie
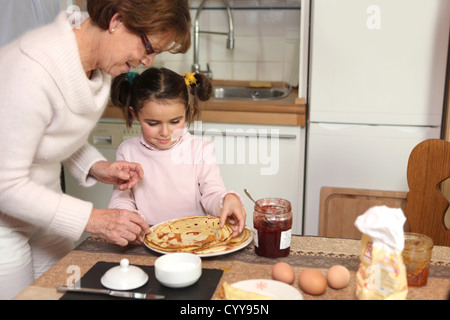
x: 189, y: 78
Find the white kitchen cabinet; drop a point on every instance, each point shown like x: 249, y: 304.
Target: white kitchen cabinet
x: 266, y: 160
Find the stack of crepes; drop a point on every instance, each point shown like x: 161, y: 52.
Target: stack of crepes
x: 195, y: 234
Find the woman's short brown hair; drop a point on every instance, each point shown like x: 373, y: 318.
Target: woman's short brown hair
x: 147, y: 17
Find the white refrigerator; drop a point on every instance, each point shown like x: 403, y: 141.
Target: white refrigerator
x: 376, y: 88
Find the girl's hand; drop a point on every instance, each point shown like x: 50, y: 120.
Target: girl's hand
x: 233, y: 212
x: 120, y: 173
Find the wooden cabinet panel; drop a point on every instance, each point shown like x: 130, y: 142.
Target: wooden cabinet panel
x: 445, y: 186
x: 81, y: 4
x: 339, y: 208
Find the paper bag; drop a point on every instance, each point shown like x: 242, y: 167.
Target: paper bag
x: 381, y: 274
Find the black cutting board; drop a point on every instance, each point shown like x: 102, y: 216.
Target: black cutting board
x: 203, y: 289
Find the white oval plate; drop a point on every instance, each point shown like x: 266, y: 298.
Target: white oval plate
x: 205, y: 255
x: 275, y: 289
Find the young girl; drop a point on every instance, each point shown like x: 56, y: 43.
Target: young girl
x: 182, y: 177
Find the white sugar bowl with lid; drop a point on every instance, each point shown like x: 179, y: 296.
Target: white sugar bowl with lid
x: 178, y: 270
x: 124, y: 277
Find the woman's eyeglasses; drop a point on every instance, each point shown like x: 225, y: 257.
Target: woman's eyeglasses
x: 148, y: 46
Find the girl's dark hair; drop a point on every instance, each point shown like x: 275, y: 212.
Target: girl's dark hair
x: 159, y: 84
x: 147, y: 17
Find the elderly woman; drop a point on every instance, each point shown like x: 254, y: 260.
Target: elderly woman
x: 55, y: 83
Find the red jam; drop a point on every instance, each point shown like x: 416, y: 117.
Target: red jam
x: 416, y: 256
x: 272, y: 220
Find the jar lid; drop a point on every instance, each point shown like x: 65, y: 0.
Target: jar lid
x: 272, y: 205
x: 417, y: 241
x: 124, y: 277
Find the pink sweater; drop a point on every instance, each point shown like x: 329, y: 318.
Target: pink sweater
x: 181, y: 181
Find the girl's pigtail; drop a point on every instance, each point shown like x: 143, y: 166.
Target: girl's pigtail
x: 200, y: 88
x: 199, y: 85
x: 121, y: 91
x: 203, y: 88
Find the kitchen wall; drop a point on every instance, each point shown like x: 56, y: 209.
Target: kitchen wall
x: 266, y: 41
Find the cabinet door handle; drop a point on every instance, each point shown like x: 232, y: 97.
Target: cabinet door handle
x: 246, y: 134
x: 99, y: 139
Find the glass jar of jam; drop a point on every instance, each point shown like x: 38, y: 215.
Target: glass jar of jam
x: 272, y: 222
x: 416, y: 256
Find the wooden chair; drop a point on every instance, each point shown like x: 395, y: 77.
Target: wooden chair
x: 428, y: 166
x: 339, y: 208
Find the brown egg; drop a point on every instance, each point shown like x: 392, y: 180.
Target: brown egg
x: 281, y: 271
x: 312, y: 281
x: 338, y: 277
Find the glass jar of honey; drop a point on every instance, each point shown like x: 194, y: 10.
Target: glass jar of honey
x: 272, y: 222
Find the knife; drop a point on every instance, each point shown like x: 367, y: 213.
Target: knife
x: 122, y: 294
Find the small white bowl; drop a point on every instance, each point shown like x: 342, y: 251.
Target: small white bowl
x: 178, y: 270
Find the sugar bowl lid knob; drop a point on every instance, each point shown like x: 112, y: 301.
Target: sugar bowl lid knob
x: 124, y: 263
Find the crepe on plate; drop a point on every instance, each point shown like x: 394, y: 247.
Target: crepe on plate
x: 196, y: 234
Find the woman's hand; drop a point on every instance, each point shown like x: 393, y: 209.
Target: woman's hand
x: 117, y: 226
x: 233, y: 211
x: 123, y: 174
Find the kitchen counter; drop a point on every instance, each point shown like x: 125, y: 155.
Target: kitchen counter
x: 306, y: 252
x: 290, y: 110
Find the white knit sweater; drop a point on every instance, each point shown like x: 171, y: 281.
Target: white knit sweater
x: 47, y: 109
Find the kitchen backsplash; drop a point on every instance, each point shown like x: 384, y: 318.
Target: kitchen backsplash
x: 266, y: 41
